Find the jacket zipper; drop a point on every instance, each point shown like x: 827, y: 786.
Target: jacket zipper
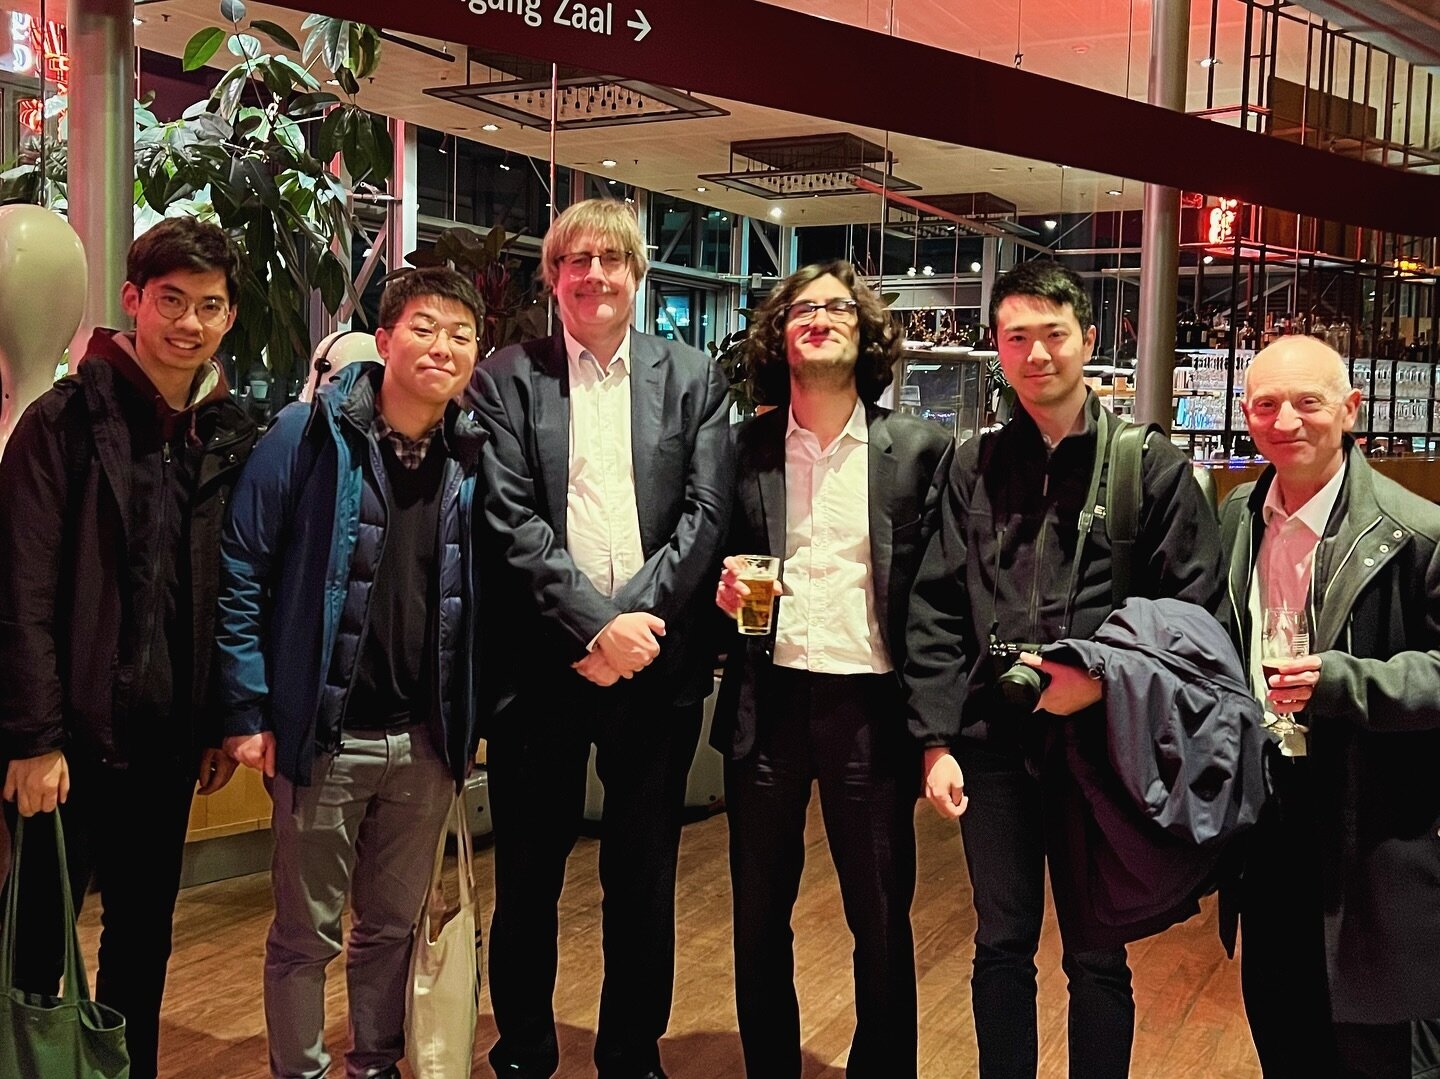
x: 449, y: 491
x: 336, y: 738
x: 1040, y: 554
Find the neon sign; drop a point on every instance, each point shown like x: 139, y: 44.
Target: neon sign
x: 1222, y: 221
x: 33, y: 50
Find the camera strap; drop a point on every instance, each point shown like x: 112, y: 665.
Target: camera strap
x: 1088, y: 510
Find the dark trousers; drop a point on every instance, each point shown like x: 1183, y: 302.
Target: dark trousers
x: 1005, y: 832
x: 125, y: 829
x: 1282, y: 952
x: 847, y: 733
x: 537, y: 768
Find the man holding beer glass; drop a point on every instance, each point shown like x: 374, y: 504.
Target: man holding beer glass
x: 1340, y: 898
x: 832, y: 492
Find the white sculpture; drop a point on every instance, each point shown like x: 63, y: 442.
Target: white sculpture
x: 334, y: 354
x: 42, y: 299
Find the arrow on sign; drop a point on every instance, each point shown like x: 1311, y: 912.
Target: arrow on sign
x: 641, y: 23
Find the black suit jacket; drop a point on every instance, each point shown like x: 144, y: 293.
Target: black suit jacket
x: 1374, y: 741
x: 541, y: 611
x: 908, y: 459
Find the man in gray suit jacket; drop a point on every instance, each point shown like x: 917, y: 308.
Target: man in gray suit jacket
x: 1340, y: 898
x: 608, y: 476
x: 843, y: 492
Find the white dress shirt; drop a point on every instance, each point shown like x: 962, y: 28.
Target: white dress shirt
x: 602, y: 523
x: 1285, y: 564
x: 826, y: 619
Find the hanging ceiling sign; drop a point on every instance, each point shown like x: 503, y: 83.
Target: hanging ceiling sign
x: 597, y: 20
x: 1222, y: 222
x: 747, y: 50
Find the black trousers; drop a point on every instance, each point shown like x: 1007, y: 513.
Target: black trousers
x: 846, y: 732
x: 1007, y: 843
x: 1282, y: 951
x: 537, y: 768
x: 125, y: 830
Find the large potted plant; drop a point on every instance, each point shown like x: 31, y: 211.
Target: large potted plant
x: 256, y: 156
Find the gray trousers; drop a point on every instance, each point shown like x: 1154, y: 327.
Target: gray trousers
x: 367, y: 825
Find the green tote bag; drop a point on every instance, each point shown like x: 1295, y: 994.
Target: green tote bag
x: 64, y: 1037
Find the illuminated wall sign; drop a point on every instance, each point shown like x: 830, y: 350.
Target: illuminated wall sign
x: 1222, y: 222
x: 32, y: 48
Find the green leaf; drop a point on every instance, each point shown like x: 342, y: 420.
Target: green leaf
x: 276, y: 33
x: 327, y: 143
x: 305, y: 105
x: 384, y: 161
x: 330, y: 280
x: 232, y: 10
x: 337, y: 45
x: 288, y: 134
x: 244, y: 45
x: 200, y: 48
x: 347, y: 81
x: 302, y: 76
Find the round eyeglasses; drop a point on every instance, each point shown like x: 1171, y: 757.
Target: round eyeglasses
x: 172, y: 307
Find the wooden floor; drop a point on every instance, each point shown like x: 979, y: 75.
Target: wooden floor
x: 1189, y: 1022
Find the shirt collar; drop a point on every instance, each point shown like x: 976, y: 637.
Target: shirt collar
x: 574, y: 350
x: 1315, y: 514
x: 857, y: 426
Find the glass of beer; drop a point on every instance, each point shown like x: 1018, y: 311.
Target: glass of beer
x: 1285, y: 634
x: 758, y: 608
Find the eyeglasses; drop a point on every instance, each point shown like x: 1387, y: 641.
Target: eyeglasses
x: 173, y: 307
x: 838, y: 310
x: 425, y: 331
x: 578, y: 262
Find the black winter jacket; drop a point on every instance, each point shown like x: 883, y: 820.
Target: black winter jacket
x: 71, y: 652
x: 1003, y: 553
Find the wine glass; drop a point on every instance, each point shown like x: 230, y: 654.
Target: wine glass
x: 1285, y: 634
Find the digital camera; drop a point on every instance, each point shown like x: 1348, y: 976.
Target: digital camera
x: 1020, y: 684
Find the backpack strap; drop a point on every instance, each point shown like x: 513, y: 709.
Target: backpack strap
x: 1123, y: 497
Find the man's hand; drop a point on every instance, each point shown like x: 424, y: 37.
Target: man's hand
x: 1292, y: 687
x: 1071, y: 689
x: 255, y: 751
x: 38, y: 784
x: 216, y: 768
x: 628, y: 643
x: 944, y: 783
x: 731, y: 590
x: 596, y: 668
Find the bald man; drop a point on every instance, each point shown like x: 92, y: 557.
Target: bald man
x: 1340, y: 898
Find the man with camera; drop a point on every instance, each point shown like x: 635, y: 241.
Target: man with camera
x: 1022, y: 558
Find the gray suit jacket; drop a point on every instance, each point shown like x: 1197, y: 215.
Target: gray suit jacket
x: 541, y: 610
x: 908, y: 459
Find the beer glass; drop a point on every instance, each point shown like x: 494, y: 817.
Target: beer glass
x: 758, y: 608
x: 1285, y: 634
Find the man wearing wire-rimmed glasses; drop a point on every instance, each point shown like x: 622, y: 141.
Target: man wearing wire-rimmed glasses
x: 607, y: 493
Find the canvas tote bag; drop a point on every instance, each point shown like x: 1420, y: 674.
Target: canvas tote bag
x: 445, y: 970
x: 64, y: 1037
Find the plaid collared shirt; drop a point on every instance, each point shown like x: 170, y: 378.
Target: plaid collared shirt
x: 410, y: 452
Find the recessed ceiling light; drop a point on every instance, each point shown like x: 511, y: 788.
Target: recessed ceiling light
x: 489, y: 127
x: 1208, y: 61
x: 609, y: 163
x: 1080, y: 48
x: 1115, y: 191
x: 1050, y: 222
x: 702, y: 190
x: 775, y: 211
x: 138, y: 21
x: 611, y: 182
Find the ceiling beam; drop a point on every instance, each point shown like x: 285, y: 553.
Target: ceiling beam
x: 787, y: 60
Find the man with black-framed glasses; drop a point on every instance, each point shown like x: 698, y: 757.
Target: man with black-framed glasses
x: 607, y: 493
x: 843, y: 492
x: 112, y: 492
